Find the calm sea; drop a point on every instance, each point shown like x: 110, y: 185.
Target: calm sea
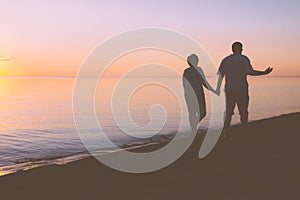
x: 37, y: 126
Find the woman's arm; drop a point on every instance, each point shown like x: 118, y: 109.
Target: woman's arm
x: 205, y: 82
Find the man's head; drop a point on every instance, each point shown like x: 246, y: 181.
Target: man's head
x: 193, y: 60
x: 237, y: 47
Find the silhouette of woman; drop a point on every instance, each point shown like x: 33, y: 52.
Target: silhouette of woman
x: 193, y: 82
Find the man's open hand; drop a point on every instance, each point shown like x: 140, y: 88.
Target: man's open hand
x: 268, y: 70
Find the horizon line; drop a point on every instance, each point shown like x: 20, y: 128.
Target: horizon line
x: 71, y: 76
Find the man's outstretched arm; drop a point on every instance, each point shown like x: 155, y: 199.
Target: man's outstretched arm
x: 260, y: 73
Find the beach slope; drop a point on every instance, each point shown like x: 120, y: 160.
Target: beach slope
x: 261, y: 161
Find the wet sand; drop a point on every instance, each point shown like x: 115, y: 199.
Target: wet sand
x: 261, y: 161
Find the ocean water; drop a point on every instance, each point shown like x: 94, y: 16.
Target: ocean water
x: 37, y: 125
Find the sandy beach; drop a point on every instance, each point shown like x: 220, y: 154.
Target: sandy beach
x: 259, y: 162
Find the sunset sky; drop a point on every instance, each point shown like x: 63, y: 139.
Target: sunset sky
x: 48, y: 38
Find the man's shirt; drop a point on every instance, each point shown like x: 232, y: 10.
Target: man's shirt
x: 235, y: 68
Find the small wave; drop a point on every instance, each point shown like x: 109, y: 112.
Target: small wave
x: 28, y: 163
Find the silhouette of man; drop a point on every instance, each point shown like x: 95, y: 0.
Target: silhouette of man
x: 193, y: 82
x: 235, y: 68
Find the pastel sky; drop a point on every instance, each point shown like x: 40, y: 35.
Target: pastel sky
x: 54, y: 37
